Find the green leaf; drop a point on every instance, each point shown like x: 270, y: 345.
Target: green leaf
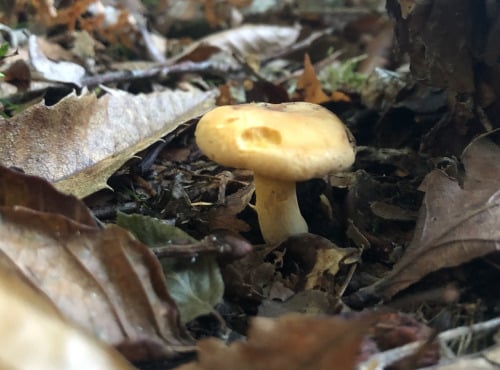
x: 195, y: 284
x: 3, y: 49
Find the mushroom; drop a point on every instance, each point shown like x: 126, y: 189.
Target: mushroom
x: 282, y: 144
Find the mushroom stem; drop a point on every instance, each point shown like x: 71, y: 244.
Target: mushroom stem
x: 277, y: 209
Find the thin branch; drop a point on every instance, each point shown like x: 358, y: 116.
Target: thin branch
x: 383, y: 359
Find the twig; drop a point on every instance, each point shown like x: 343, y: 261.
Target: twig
x: 112, y: 210
x: 156, y: 70
x: 383, y: 359
x: 221, y: 242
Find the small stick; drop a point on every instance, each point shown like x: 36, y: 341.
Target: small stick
x: 154, y: 71
x: 220, y: 242
x: 381, y: 360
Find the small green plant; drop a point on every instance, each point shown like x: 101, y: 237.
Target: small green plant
x: 343, y: 75
x: 3, y: 49
x: 3, y: 53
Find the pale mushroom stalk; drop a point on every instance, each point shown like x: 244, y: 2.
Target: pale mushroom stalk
x: 278, y: 209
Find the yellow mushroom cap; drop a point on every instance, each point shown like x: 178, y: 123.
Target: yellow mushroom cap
x: 290, y: 141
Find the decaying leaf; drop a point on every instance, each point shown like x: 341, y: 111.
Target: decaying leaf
x: 225, y: 216
x: 61, y: 71
x: 101, y: 279
x: 35, y: 336
x: 194, y: 283
x: 260, y: 41
x: 456, y: 224
x: 328, y: 261
x: 17, y: 189
x: 309, y: 85
x: 81, y: 141
x: 292, y: 342
x: 310, y: 302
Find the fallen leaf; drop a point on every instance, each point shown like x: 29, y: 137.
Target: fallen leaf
x: 18, y: 74
x: 309, y: 85
x: 310, y: 302
x: 81, y: 141
x: 314, y: 259
x: 261, y: 41
x: 328, y: 262
x: 18, y: 189
x: 54, y: 71
x: 103, y: 280
x: 456, y: 224
x: 225, y: 216
x: 30, y: 323
x: 195, y: 283
x: 292, y: 342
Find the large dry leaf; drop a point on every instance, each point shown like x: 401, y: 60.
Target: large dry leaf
x: 103, y: 280
x: 18, y: 189
x: 260, y: 41
x: 81, y: 141
x: 34, y: 336
x: 61, y: 71
x: 292, y: 342
x: 455, y: 224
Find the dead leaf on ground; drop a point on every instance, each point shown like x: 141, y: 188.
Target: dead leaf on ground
x: 290, y: 342
x: 455, y: 224
x: 18, y: 189
x: 35, y: 336
x: 309, y: 86
x: 310, y: 302
x: 225, y: 216
x: 81, y: 141
x: 60, y: 71
x: 312, y: 261
x: 104, y: 280
x: 260, y: 41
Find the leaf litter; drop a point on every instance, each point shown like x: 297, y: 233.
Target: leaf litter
x: 137, y: 75
x: 457, y: 222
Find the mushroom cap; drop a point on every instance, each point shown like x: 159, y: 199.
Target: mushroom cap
x: 290, y: 141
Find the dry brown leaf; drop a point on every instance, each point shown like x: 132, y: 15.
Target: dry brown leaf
x: 50, y: 16
x: 292, y: 342
x: 309, y: 86
x: 260, y: 41
x: 18, y: 189
x: 81, y: 141
x: 328, y: 262
x: 103, y: 280
x: 455, y: 224
x: 60, y: 71
x: 225, y: 216
x: 18, y: 74
x: 34, y: 336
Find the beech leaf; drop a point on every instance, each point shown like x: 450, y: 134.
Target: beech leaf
x: 61, y: 71
x: 260, y: 41
x: 456, y: 224
x: 104, y: 280
x: 30, y: 323
x: 290, y: 342
x: 82, y: 140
